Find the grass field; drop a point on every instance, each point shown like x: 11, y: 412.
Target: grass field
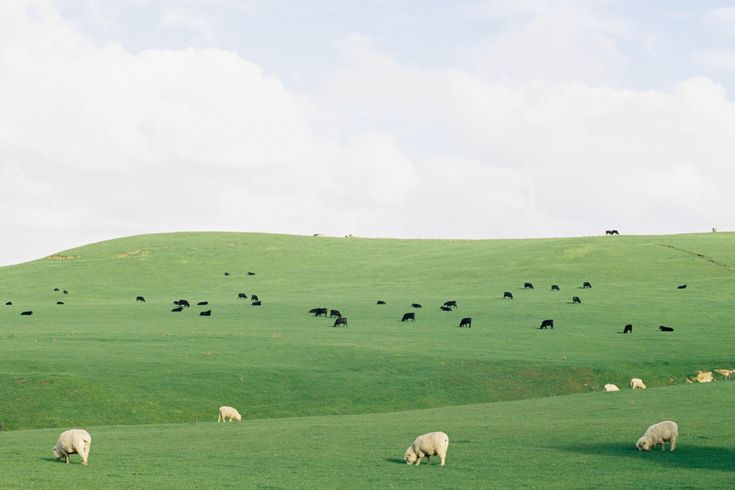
x: 336, y: 407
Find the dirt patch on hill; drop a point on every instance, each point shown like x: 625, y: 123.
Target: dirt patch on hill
x: 134, y: 253
x: 62, y: 257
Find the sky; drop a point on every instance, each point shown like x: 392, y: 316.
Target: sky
x: 469, y: 119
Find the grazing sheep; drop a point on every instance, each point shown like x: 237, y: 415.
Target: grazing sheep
x: 637, y: 383
x: 427, y: 445
x: 704, y: 377
x: 611, y: 387
x: 726, y: 373
x: 73, y: 441
x: 226, y: 412
x: 666, y: 431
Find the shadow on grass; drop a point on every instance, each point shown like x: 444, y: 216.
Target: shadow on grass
x: 396, y: 460
x: 50, y: 459
x: 685, y: 456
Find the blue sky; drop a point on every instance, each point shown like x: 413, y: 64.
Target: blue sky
x: 469, y: 119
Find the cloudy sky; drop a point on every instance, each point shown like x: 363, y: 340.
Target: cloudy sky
x: 378, y: 118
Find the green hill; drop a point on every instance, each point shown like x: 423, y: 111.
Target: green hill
x: 104, y: 360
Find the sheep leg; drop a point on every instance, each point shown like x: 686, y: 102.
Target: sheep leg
x: 420, y: 457
x: 673, y: 443
x: 428, y: 456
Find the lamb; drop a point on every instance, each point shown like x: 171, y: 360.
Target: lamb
x: 226, y: 412
x: 611, y: 387
x: 637, y: 383
x: 73, y: 441
x: 427, y: 445
x: 666, y: 431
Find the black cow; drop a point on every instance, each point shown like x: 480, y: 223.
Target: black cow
x: 340, y: 321
x: 256, y: 303
x: 611, y: 232
x: 681, y: 286
x: 628, y: 328
x: 416, y: 305
x: 547, y: 324
x: 555, y: 287
x: 251, y: 273
x: 318, y: 311
x: 664, y: 328
x: 465, y: 322
x: 182, y: 302
x: 205, y: 313
x: 380, y: 302
x: 507, y: 295
x: 203, y: 303
x: 227, y: 273
x: 56, y: 289
x: 451, y: 304
x: 334, y: 314
x: 59, y: 302
x: 26, y: 313
x: 140, y: 299
x: 177, y: 309
x: 445, y: 308
x: 66, y: 292
x: 409, y: 316
x: 9, y: 303
x: 242, y: 296
x: 576, y: 300
x: 527, y: 285
x: 254, y: 297
x: 586, y: 285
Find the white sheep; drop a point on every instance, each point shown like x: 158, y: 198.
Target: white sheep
x: 226, y: 412
x: 666, y: 431
x: 611, y: 387
x: 427, y: 445
x: 73, y: 441
x: 726, y: 373
x: 637, y: 383
x: 704, y: 377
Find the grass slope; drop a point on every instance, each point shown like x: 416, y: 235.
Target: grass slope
x: 575, y: 441
x: 102, y: 358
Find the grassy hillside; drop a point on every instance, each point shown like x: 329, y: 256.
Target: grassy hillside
x: 577, y: 441
x: 103, y: 359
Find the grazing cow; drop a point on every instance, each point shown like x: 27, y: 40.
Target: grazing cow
x: 177, y: 309
x: 9, y: 303
x: 576, y: 300
x: 628, y: 328
x: 465, y: 322
x: 380, y: 302
x: 334, y: 314
x: 451, y: 304
x: 227, y: 273
x: 140, y: 299
x: 59, y: 302
x: 340, y: 321
x: 251, y: 273
x: 507, y: 295
x: 242, y: 296
x: 409, y: 316
x: 66, y: 292
x: 318, y: 311
x: 586, y: 285
x: 183, y: 302
x: 445, y: 308
x: 547, y: 324
x: 681, y: 286
x: 256, y: 303
x: 416, y: 305
x: 203, y: 303
x: 527, y: 285
x: 664, y: 328
x: 637, y: 383
x: 254, y: 297
x: 26, y: 313
x: 205, y: 313
x: 555, y: 287
x: 56, y: 290
x: 611, y: 232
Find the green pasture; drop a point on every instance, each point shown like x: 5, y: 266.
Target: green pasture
x: 574, y: 441
x: 135, y: 370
